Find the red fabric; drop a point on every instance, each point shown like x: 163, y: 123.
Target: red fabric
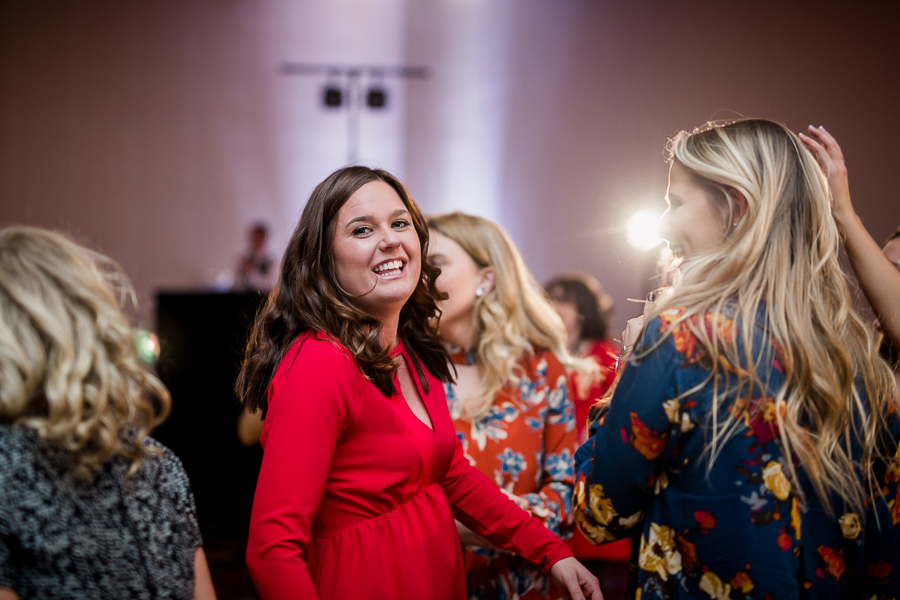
x: 604, y: 352
x: 525, y: 446
x: 356, y: 497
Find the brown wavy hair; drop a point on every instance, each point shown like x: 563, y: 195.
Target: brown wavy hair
x: 69, y: 368
x: 307, y: 298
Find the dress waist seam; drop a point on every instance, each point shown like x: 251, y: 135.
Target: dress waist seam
x: 415, y: 496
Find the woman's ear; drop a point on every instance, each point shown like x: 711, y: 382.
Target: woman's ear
x: 738, y: 206
x: 486, y: 279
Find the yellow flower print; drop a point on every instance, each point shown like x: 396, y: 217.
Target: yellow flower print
x: 773, y: 477
x: 672, y: 407
x: 593, y: 514
x: 601, y: 506
x: 795, y: 518
x: 658, y: 552
x: 715, y: 587
x: 850, y: 526
x: 629, y: 522
x: 596, y: 534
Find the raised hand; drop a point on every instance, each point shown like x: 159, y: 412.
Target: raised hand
x: 831, y: 159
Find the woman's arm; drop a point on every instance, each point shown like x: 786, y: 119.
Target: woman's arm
x: 480, y: 505
x: 879, y: 279
x: 203, y: 585
x: 8, y: 594
x: 311, y: 401
x: 618, y: 468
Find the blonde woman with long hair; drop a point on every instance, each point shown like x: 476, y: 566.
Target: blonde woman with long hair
x: 751, y: 441
x: 510, y: 403
x: 90, y: 506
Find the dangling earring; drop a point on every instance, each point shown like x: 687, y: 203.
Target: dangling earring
x: 479, y: 292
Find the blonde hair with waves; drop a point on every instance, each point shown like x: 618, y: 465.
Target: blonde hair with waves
x: 512, y: 319
x: 783, y: 254
x: 68, y: 364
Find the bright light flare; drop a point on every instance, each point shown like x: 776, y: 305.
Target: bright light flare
x: 643, y: 230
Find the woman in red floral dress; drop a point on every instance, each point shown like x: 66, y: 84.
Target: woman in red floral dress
x: 510, y: 404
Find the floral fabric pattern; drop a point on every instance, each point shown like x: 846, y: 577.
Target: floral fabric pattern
x: 738, y: 528
x: 526, y: 444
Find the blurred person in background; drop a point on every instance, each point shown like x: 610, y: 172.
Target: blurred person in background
x: 585, y: 308
x: 362, y: 472
x: 511, y: 403
x: 754, y: 430
x: 257, y: 269
x: 90, y: 506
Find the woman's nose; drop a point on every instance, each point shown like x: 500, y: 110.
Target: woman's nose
x: 389, y: 239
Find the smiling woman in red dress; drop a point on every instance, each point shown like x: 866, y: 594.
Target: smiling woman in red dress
x: 362, y: 474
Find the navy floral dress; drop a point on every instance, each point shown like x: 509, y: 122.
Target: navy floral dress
x: 738, y: 529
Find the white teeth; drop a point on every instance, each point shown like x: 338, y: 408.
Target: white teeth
x: 394, y: 264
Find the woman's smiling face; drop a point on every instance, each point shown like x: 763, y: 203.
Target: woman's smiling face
x: 376, y: 249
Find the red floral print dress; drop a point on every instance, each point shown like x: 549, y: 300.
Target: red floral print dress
x: 526, y: 445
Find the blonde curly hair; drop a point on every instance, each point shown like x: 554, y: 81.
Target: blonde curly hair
x: 68, y: 363
x: 514, y: 318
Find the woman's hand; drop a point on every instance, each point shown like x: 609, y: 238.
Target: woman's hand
x: 575, y: 581
x: 831, y: 159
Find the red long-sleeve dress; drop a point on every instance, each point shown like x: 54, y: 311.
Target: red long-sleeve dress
x: 356, y: 497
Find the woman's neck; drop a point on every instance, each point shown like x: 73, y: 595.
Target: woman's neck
x: 389, y: 332
x: 459, y: 332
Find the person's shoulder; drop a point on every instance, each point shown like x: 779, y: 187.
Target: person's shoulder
x: 679, y: 320
x: 543, y: 359
x: 319, y: 349
x: 16, y: 441
x: 603, y: 351
x: 163, y: 465
x: 316, y: 354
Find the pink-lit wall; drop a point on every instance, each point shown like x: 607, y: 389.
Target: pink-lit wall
x: 159, y: 130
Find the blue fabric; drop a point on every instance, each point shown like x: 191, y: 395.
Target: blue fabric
x: 737, y: 529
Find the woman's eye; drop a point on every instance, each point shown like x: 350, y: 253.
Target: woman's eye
x: 363, y: 230
x: 435, y: 262
x: 400, y: 223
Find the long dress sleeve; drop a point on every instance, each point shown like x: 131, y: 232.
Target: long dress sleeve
x: 311, y: 401
x: 480, y: 505
x: 614, y: 489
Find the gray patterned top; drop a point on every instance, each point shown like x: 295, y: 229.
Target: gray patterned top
x: 62, y: 537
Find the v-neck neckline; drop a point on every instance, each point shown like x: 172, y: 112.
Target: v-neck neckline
x: 399, y: 349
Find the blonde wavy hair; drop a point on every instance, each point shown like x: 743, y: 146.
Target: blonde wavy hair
x: 512, y: 319
x: 783, y: 255
x: 68, y: 363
